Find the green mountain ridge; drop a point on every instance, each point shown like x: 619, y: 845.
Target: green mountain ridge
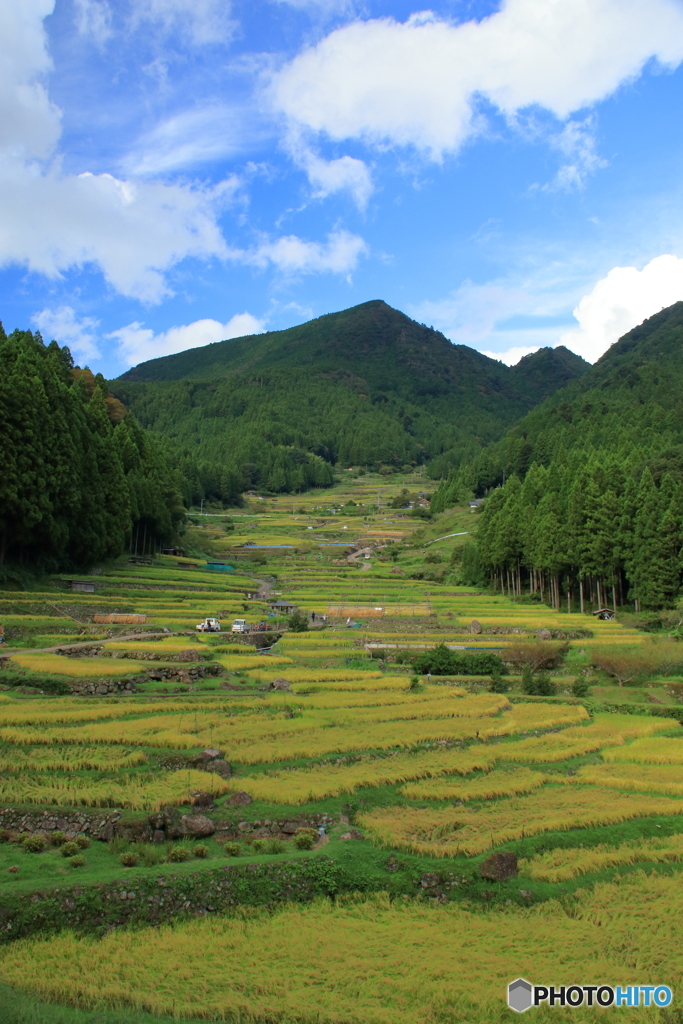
x: 366, y: 385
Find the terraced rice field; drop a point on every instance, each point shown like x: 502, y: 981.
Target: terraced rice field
x: 417, y: 781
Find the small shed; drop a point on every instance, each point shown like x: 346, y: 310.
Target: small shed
x: 605, y: 613
x: 283, y: 607
x: 85, y: 586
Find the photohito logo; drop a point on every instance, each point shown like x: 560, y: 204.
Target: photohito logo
x: 522, y: 995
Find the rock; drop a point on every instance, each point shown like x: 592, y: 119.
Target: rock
x: 245, y: 826
x: 290, y: 827
x: 352, y: 834
x: 475, y: 627
x: 280, y: 684
x: 202, y: 800
x: 188, y: 655
x: 219, y: 767
x: 392, y: 864
x: 544, y: 634
x: 239, y: 799
x: 499, y: 867
x: 158, y: 836
x: 195, y: 825
x: 210, y: 755
x: 429, y: 880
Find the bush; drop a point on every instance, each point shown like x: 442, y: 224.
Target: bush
x: 179, y: 853
x: 257, y: 845
x: 305, y: 839
x: 498, y: 684
x: 441, y: 661
x: 35, y: 844
x: 77, y: 862
x: 232, y: 849
x: 82, y: 842
x: 298, y: 622
x: 5, y: 835
x: 539, y: 685
x: 580, y: 688
x: 69, y: 849
x: 57, y: 839
x: 129, y: 860
x: 414, y: 683
x: 273, y: 846
x: 201, y: 851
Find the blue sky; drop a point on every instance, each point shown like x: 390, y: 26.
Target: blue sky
x: 175, y: 172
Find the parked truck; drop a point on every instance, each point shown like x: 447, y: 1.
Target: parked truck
x: 209, y: 626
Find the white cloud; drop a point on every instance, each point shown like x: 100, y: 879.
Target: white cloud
x: 195, y: 137
x: 133, y: 231
x: 200, y: 21
x: 64, y: 326
x: 511, y: 356
x: 137, y: 343
x: 416, y: 83
x: 29, y: 122
x: 293, y: 255
x: 344, y: 174
x: 93, y: 19
x: 576, y: 142
x: 469, y: 314
x: 621, y: 301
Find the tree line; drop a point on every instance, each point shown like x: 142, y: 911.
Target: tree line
x: 585, y: 532
x: 80, y: 480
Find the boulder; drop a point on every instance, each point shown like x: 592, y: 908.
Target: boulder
x: 544, y: 634
x: 158, y: 836
x: 499, y: 867
x: 202, y: 799
x: 475, y: 627
x: 239, y: 799
x: 429, y: 880
x: 195, y: 825
x: 219, y: 767
x: 352, y: 834
x: 188, y: 655
x: 280, y: 684
x: 211, y: 754
x: 290, y: 827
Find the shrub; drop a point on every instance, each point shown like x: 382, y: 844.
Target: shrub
x: 232, y: 849
x: 414, y: 683
x: 201, y: 851
x: 57, y: 839
x: 129, y: 860
x: 538, y: 685
x: 179, y: 854
x: 82, y: 842
x: 35, y: 844
x: 257, y: 845
x: 298, y: 622
x: 498, y: 684
x: 77, y: 862
x: 5, y: 835
x: 305, y: 839
x: 443, y: 662
x: 580, y: 688
x: 69, y: 849
x: 273, y: 846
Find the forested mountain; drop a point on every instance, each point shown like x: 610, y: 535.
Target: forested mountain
x: 363, y: 386
x: 594, y: 480
x: 79, y: 478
